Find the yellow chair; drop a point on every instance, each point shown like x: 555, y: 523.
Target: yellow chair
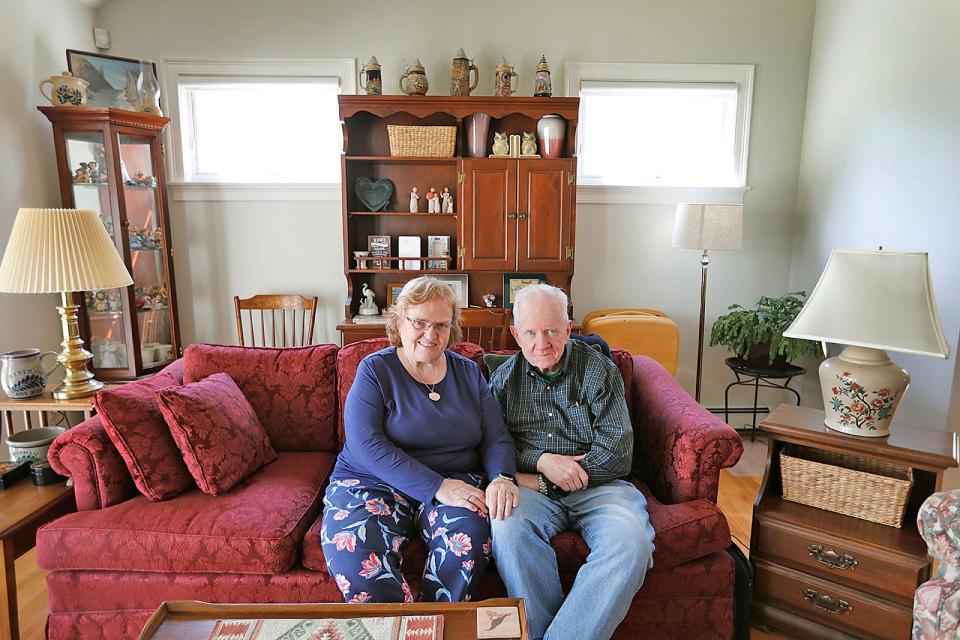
x: 613, y: 311
x: 639, y: 332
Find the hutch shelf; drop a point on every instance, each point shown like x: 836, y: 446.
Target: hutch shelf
x: 111, y: 161
x: 512, y: 215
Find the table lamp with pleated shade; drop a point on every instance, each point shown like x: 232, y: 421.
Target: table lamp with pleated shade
x: 873, y: 302
x: 63, y: 251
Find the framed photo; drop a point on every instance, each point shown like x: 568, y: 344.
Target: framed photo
x: 379, y: 246
x: 393, y: 292
x: 513, y: 282
x: 459, y: 283
x: 438, y: 247
x: 113, y: 80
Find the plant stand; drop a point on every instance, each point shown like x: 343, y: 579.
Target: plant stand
x: 748, y: 376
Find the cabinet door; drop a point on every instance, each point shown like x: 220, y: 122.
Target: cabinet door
x: 488, y: 214
x: 545, y: 215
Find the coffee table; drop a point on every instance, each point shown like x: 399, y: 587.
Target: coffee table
x: 24, y: 508
x: 192, y: 620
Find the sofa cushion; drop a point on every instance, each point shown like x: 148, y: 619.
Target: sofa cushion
x: 136, y: 427
x: 256, y: 528
x: 293, y: 391
x: 684, y: 532
x: 349, y: 357
x: 216, y: 430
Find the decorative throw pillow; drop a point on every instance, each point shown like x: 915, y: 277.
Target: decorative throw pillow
x: 217, y: 431
x: 136, y: 427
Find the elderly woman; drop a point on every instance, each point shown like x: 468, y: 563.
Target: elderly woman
x: 424, y: 437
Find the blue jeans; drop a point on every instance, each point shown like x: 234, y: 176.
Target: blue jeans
x: 613, y: 521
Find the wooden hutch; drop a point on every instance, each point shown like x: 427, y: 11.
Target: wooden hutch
x: 512, y: 215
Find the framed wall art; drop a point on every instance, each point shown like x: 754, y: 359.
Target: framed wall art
x: 113, y: 80
x: 459, y: 283
x: 379, y: 247
x: 393, y: 292
x: 513, y: 282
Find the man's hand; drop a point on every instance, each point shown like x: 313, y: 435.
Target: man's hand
x: 502, y: 497
x: 528, y: 480
x: 458, y: 493
x: 563, y: 471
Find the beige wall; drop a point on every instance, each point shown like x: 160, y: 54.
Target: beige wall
x: 879, y: 164
x: 623, y: 251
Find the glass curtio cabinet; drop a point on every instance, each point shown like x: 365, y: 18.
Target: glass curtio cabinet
x: 111, y: 161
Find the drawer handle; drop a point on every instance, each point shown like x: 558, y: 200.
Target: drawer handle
x: 827, y: 603
x: 831, y: 558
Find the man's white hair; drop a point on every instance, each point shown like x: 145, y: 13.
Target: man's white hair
x: 541, y: 291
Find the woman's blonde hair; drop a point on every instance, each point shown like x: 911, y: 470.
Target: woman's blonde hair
x: 421, y: 291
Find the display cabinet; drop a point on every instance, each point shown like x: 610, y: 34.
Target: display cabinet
x: 509, y: 215
x: 111, y: 161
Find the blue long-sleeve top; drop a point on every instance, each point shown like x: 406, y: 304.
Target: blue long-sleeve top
x: 397, y: 435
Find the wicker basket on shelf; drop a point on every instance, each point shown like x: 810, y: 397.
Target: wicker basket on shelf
x: 859, y: 487
x: 421, y: 142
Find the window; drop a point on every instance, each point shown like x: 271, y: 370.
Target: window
x: 662, y: 125
x: 256, y: 129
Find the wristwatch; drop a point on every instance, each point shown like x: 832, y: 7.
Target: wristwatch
x: 506, y: 476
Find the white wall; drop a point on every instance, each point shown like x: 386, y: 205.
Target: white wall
x: 879, y: 163
x: 624, y: 254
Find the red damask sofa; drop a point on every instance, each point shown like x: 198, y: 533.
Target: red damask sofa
x: 120, y: 555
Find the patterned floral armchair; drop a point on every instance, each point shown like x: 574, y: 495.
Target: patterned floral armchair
x: 936, y: 604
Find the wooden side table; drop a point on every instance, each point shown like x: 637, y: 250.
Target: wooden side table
x: 43, y: 405
x: 821, y: 574
x: 24, y: 508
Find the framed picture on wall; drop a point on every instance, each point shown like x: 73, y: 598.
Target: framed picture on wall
x: 513, y: 282
x: 459, y: 283
x: 393, y: 292
x: 112, y: 80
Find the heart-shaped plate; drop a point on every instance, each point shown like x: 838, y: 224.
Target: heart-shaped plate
x: 374, y: 194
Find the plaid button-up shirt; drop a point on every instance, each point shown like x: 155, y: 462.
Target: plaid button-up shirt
x: 581, y: 411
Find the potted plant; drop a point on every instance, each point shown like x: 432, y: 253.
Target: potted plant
x: 756, y: 335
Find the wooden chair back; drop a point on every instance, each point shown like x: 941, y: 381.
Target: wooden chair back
x: 640, y: 335
x: 488, y: 328
x: 599, y: 313
x: 275, y: 320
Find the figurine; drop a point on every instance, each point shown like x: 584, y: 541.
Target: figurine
x: 489, y: 299
x: 80, y: 175
x: 500, y: 145
x: 93, y: 175
x: 113, y: 300
x: 542, y: 86
x: 446, y: 198
x: 529, y: 145
x: 414, y: 197
x: 368, y: 307
x: 136, y: 239
x: 100, y: 303
x: 433, y: 201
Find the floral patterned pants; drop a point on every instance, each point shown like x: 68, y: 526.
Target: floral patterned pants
x: 366, y: 527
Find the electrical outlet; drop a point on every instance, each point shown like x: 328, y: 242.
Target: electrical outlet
x: 101, y: 38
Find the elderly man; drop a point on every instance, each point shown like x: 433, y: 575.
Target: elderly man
x: 564, y: 404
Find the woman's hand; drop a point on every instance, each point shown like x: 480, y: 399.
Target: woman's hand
x: 502, y: 497
x: 457, y: 493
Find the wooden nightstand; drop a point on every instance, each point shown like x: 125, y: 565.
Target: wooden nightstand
x: 821, y: 574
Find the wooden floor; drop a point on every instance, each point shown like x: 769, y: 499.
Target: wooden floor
x: 735, y: 500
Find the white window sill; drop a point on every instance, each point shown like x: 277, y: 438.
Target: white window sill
x: 608, y: 194
x: 254, y: 192
x: 312, y: 192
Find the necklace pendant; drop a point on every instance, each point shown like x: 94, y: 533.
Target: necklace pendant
x: 433, y: 395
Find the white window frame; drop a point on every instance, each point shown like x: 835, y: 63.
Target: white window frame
x: 740, y: 74
x: 177, y: 71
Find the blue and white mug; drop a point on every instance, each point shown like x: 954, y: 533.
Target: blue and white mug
x: 23, y: 375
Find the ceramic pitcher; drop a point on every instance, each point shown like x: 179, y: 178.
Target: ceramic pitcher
x: 22, y: 375
x: 65, y: 90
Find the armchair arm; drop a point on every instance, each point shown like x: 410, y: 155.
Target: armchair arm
x: 679, y: 447
x: 86, y: 454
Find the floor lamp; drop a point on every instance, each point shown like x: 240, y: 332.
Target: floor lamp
x: 706, y: 227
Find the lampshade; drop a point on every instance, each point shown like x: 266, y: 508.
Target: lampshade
x: 876, y: 299
x: 708, y: 226
x: 60, y: 250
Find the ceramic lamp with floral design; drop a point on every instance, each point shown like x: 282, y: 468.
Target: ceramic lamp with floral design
x: 873, y: 302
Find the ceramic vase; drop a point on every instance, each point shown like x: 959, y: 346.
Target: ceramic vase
x: 550, y: 130
x: 477, y: 126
